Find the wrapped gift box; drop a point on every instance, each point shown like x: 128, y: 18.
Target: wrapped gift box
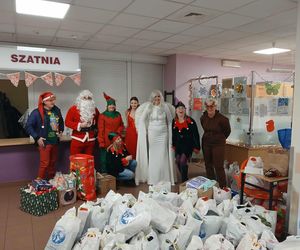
x: 38, y: 205
x: 105, y: 183
x: 67, y: 196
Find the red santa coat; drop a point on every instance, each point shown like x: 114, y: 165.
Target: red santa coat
x: 73, y: 121
x: 106, y: 125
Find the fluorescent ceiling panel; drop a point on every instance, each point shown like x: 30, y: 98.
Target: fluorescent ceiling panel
x: 42, y: 8
x: 271, y: 51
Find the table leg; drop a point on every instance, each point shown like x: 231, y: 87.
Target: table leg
x: 271, y: 195
x: 242, y: 188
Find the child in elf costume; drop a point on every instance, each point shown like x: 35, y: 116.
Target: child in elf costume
x: 45, y: 124
x: 119, y: 162
x: 109, y: 121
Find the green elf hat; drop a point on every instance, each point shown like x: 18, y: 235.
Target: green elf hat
x: 112, y: 136
x: 109, y: 100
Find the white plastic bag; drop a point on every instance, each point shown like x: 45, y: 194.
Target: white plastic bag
x: 163, y: 186
x: 254, y: 224
x: 131, y: 222
x: 189, y: 193
x: 90, y: 241
x: 146, y: 240
x: 65, y: 231
x: 235, y: 230
x: 291, y: 243
x: 269, y: 238
x: 109, y: 239
x: 254, y: 166
x: 100, y: 215
x: 250, y: 241
x: 181, y: 217
x: 195, y: 244
x: 217, y: 242
x: 210, y: 226
x: 221, y: 194
x: 225, y: 208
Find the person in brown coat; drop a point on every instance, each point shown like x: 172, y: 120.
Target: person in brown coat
x: 216, y: 130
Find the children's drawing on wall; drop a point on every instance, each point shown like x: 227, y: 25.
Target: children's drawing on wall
x: 283, y: 106
x: 240, y: 85
x: 238, y: 106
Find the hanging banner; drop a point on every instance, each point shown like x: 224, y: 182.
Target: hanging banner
x: 197, y: 104
x: 30, y: 79
x: 59, y: 78
x: 48, y: 78
x: 14, y: 78
x: 50, y: 60
x: 76, y: 78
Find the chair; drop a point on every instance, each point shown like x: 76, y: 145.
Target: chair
x: 258, y: 194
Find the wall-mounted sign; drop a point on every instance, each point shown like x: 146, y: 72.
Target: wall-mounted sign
x: 50, y: 60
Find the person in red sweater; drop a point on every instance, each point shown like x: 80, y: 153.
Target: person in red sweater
x: 82, y: 119
x: 109, y: 121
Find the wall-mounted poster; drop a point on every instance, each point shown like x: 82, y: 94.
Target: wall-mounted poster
x: 240, y: 85
x: 224, y: 106
x: 197, y: 104
x: 283, y: 106
x: 239, y: 106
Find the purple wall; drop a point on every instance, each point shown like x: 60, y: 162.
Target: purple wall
x: 19, y: 163
x: 180, y: 68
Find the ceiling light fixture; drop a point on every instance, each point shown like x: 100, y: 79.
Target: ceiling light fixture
x: 35, y: 49
x: 271, y: 51
x: 42, y: 8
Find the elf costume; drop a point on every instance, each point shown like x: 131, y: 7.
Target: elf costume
x: 46, y: 124
x: 109, y: 121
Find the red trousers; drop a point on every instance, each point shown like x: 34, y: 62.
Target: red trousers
x: 78, y: 147
x: 48, y: 158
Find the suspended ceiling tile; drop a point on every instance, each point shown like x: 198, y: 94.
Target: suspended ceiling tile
x: 153, y: 8
x: 35, y: 31
x: 137, y: 42
x: 118, y: 31
x: 124, y: 48
x: 63, y: 42
x: 224, y: 5
x: 205, y: 15
x: 152, y: 35
x: 90, y: 14
x: 76, y: 35
x: 107, y: 38
x: 7, y: 27
x: 201, y: 31
x: 264, y: 8
x: 164, y: 45
x: 180, y: 39
x: 81, y: 26
x: 114, y: 5
x: 37, y: 21
x: 229, y: 35
x: 27, y: 39
x: 133, y: 21
x: 229, y: 21
x: 170, y: 26
x: 97, y: 45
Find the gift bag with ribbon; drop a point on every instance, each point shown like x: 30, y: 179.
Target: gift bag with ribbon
x: 82, y: 166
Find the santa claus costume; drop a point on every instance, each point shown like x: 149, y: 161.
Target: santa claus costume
x: 82, y: 119
x: 109, y: 121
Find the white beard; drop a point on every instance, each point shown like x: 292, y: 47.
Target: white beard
x: 87, y: 110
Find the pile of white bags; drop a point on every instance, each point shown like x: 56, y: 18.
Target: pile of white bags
x: 164, y: 220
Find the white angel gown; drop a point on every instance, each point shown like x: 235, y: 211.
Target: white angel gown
x: 154, y: 154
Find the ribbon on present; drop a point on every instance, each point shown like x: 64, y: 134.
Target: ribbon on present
x: 59, y: 78
x: 14, y: 78
x: 48, y: 78
x: 76, y: 78
x: 30, y: 78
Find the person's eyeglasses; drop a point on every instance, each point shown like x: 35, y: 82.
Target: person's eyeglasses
x: 87, y: 98
x: 210, y: 106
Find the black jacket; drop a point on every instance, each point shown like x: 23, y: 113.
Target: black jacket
x: 185, y: 139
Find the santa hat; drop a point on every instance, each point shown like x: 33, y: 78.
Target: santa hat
x: 44, y: 97
x: 112, y: 136
x: 109, y: 100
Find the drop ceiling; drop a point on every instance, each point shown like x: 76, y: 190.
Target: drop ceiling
x: 229, y: 29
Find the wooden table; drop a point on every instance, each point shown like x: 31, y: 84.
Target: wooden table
x: 272, y: 183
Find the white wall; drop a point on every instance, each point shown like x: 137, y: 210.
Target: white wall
x: 119, y: 79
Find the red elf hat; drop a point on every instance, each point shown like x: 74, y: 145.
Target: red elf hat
x: 109, y: 100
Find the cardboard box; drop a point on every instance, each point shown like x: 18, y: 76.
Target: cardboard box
x: 67, y: 196
x: 105, y: 183
x: 201, y: 193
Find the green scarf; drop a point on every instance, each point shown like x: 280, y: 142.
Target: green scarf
x: 112, y: 114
